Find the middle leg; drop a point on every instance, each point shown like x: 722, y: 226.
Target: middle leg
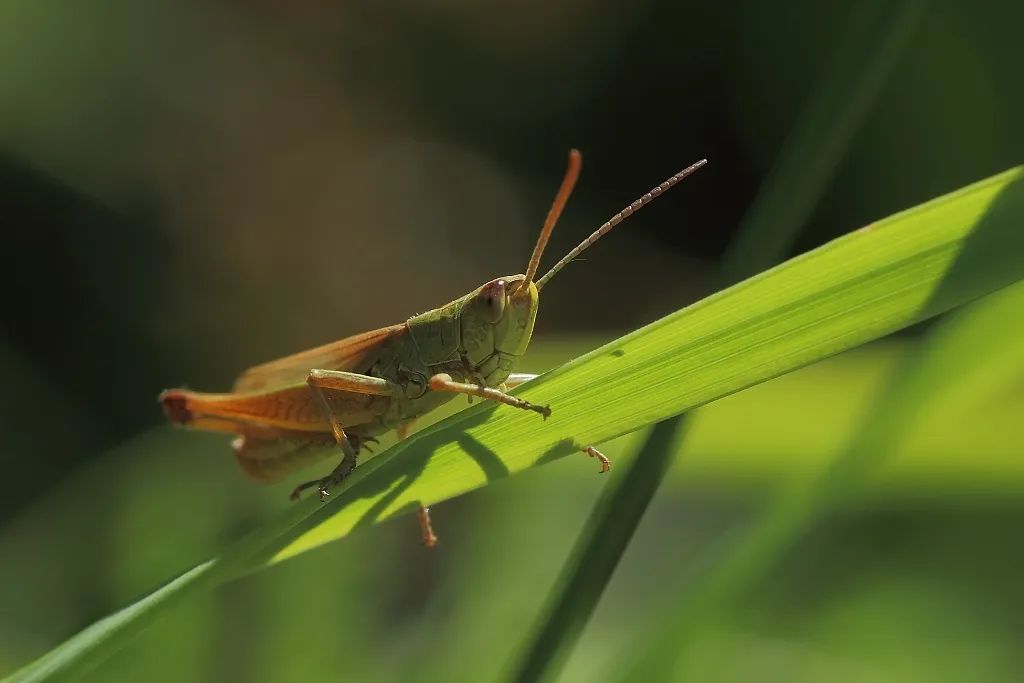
x: 320, y: 381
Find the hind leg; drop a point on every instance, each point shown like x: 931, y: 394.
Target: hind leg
x: 423, y: 512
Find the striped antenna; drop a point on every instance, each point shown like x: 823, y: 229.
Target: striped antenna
x: 618, y: 218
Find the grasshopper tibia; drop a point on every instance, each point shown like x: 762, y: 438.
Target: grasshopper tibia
x: 429, y: 538
x: 422, y: 512
x: 444, y: 382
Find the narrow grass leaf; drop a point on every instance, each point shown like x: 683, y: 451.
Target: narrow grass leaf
x: 816, y: 145
x: 894, y: 273
x: 970, y: 358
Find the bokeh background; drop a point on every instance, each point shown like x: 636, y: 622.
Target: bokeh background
x: 189, y: 188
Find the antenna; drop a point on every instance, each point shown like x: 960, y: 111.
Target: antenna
x: 616, y: 219
x: 572, y: 173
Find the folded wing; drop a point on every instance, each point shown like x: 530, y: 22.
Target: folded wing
x: 352, y: 354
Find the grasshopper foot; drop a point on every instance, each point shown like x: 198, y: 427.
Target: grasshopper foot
x: 543, y: 411
x: 325, y: 484
x: 323, y: 487
x: 594, y: 453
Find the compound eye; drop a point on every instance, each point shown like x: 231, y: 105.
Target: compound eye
x: 492, y: 300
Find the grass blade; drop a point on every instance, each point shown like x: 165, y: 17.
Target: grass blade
x: 784, y: 202
x: 586, y: 573
x: 973, y: 350
x: 894, y: 273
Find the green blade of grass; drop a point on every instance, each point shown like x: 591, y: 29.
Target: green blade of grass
x: 965, y: 446
x: 816, y: 145
x: 596, y: 553
x: 977, y: 351
x: 894, y: 273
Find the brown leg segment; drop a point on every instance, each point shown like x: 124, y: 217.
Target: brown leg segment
x: 423, y: 513
x: 594, y: 453
x: 429, y: 539
x: 444, y: 382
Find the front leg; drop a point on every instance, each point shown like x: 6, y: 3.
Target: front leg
x: 444, y: 382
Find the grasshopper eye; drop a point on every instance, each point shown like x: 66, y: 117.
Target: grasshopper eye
x: 491, y: 300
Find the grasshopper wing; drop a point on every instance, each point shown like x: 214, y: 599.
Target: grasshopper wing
x: 352, y: 354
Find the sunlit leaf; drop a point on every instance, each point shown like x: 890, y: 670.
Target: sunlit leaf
x: 906, y: 268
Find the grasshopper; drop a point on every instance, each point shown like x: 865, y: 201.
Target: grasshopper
x: 349, y: 391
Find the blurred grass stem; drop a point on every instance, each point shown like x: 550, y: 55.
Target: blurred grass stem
x: 876, y: 37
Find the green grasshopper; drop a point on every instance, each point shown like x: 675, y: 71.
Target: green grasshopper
x: 352, y: 390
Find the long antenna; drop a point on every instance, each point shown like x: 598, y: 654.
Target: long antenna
x: 618, y: 218
x: 568, y: 182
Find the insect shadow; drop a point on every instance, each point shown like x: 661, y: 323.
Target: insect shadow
x: 559, y: 450
x: 487, y: 459
x: 388, y: 481
x: 398, y: 474
x: 408, y: 468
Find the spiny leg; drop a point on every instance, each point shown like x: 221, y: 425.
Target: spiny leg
x: 517, y: 378
x: 423, y: 513
x: 444, y: 382
x: 429, y: 538
x: 319, y: 380
x: 594, y: 453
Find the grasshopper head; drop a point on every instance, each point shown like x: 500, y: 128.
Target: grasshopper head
x: 498, y: 318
